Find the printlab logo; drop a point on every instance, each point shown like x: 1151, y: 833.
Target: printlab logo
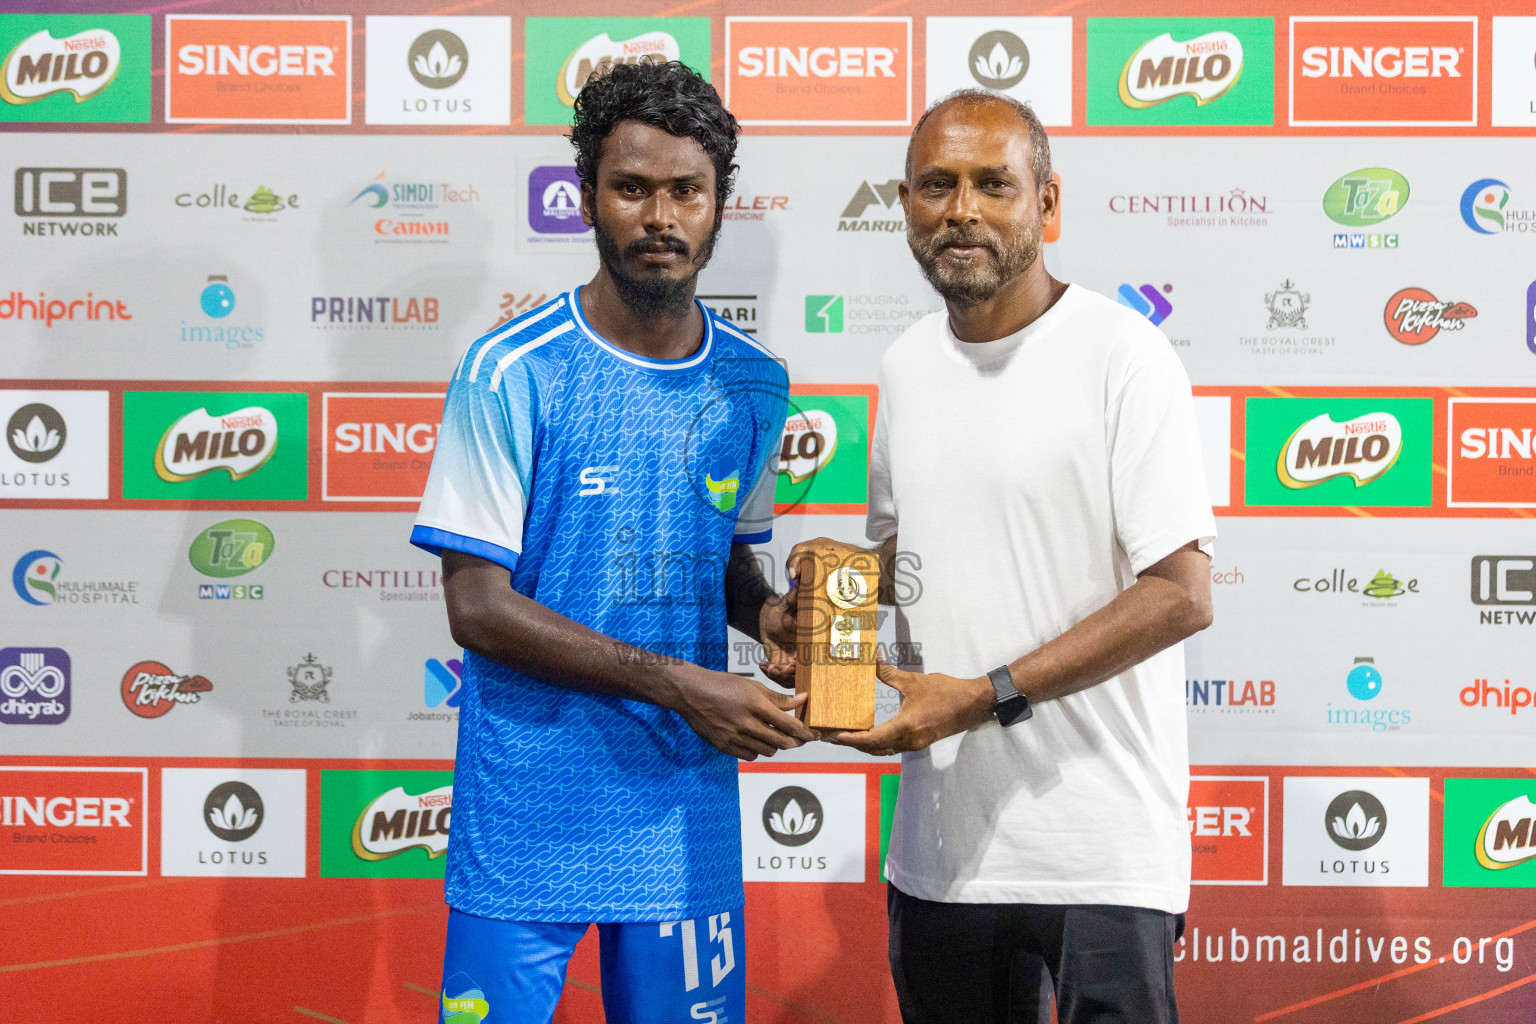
x: 443, y: 683
x: 309, y: 680
x: 870, y: 200
x: 1414, y: 316
x: 70, y: 194
x: 387, y: 312
x: 1147, y: 300
x: 36, y: 432
x: 554, y: 201
x: 234, y: 811
x: 84, y: 68
x: 1230, y: 696
x: 216, y: 301
x: 1355, y: 820
x: 35, y: 684
x: 150, y: 689
x: 792, y: 816
x: 1365, y: 198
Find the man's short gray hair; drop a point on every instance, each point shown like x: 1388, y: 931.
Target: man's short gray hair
x: 1039, y: 144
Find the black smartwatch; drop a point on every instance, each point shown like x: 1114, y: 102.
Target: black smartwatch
x: 1011, y: 706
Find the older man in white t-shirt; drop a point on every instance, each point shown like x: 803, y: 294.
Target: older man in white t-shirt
x: 1036, y: 449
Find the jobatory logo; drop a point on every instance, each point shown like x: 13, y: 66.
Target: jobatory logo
x: 82, y: 68
x: 562, y: 53
x: 1228, y: 820
x: 1029, y: 59
x: 1339, y: 451
x: 439, y: 70
x: 34, y: 682
x: 1356, y: 831
x: 39, y: 579
x: 1414, y: 316
x: 378, y: 446
x: 55, y: 444
x: 229, y: 444
x: 216, y: 301
x: 1230, y: 696
x: 802, y: 827
x: 443, y: 683
x: 819, y: 71
x: 240, y: 821
x: 1490, y: 833
x: 1147, y: 300
x: 71, y: 202
x: 74, y: 821
x: 150, y: 689
x: 824, y: 451
x: 1396, y: 70
x: 261, y: 205
x: 1492, y: 456
x: 256, y: 69
x: 384, y: 824
x: 1217, y: 71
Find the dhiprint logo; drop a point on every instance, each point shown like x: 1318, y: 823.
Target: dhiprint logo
x: 35, y: 576
x: 233, y: 811
x: 1147, y: 300
x: 437, y: 59
x: 36, y: 432
x: 793, y: 816
x: 150, y: 689
x: 1482, y: 206
x: 1356, y: 820
x: 1414, y: 316
x: 35, y: 684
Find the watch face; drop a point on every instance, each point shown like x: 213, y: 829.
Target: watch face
x: 1013, y: 709
x: 847, y: 587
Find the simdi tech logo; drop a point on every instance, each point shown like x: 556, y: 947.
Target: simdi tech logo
x: 390, y: 824
x: 562, y: 53
x: 1489, y: 838
x: 1492, y: 458
x: 1162, y: 71
x: 258, y: 69
x: 819, y: 71
x: 824, y: 450
x: 215, y: 444
x: 439, y: 70
x: 74, y: 821
x: 1339, y: 452
x: 1393, y: 70
x: 73, y: 67
x: 378, y: 446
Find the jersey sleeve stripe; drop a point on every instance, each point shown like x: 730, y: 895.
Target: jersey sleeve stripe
x: 760, y: 537
x: 512, y: 329
x: 522, y: 350
x: 724, y: 325
x: 430, y: 538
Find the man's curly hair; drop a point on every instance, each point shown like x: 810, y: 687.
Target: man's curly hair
x: 666, y: 95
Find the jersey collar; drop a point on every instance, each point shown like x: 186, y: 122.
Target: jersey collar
x: 688, y: 363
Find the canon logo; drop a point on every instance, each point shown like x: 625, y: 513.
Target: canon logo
x: 818, y: 61
x: 220, y: 59
x: 63, y: 811
x: 1381, y: 62
x: 386, y: 437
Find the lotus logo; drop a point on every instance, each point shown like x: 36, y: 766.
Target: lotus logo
x: 810, y: 439
x: 84, y: 64
x: 1507, y: 837
x: 1356, y: 820
x: 1482, y: 205
x: 792, y: 816
x: 1204, y: 67
x: 999, y: 60
x: 1321, y: 449
x: 36, y: 433
x: 238, y: 442
x: 233, y: 811
x: 601, y: 52
x: 438, y: 59
x: 35, y: 576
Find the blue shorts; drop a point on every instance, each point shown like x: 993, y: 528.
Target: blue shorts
x: 674, y: 972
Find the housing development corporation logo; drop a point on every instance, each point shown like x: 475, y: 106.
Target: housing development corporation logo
x: 150, y: 689
x: 1492, y: 456
x: 438, y: 70
x: 1338, y: 451
x: 1356, y: 71
x: 258, y: 69
x: 819, y: 71
x: 1490, y: 833
x: 82, y: 68
x: 71, y: 201
x: 215, y: 445
x: 563, y: 53
x: 1180, y: 71
x: 34, y: 682
x: 1414, y: 316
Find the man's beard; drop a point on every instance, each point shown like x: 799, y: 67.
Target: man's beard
x: 980, y: 278
x: 655, y: 295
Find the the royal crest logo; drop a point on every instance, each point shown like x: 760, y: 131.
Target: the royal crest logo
x: 309, y: 680
x: 82, y: 64
x: 1321, y: 449
x: 1287, y: 307
x: 1507, y: 837
x: 398, y: 821
x: 1414, y: 315
x: 150, y: 689
x: 238, y: 442
x: 1204, y: 68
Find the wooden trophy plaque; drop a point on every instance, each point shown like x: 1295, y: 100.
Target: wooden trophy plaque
x: 835, y: 660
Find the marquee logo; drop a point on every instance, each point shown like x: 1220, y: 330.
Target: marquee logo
x: 819, y: 71
x: 1362, y: 448
x: 1180, y: 71
x: 150, y: 689
x: 239, y: 443
x: 1204, y: 67
x: 869, y: 201
x: 255, y: 69
x: 1492, y: 457
x: 378, y: 446
x: 74, y: 821
x: 34, y: 682
x: 1414, y: 316
x: 563, y: 53
x: 1228, y: 821
x: 212, y: 444
x: 1383, y: 71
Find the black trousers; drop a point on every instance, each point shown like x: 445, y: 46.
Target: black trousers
x: 999, y: 963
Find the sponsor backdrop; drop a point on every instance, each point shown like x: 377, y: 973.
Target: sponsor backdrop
x: 248, y: 241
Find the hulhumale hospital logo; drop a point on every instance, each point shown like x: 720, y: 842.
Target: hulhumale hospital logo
x: 35, y: 577
x: 1482, y: 206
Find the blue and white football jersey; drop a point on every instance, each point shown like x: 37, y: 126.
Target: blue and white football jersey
x: 612, y: 487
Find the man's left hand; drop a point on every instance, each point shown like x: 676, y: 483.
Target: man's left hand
x: 933, y: 706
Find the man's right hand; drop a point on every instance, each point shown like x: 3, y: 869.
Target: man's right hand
x: 736, y: 715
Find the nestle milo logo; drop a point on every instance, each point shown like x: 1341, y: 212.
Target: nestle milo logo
x: 238, y: 442
x: 1320, y: 449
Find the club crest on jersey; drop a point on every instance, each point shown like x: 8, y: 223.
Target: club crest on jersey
x: 721, y: 484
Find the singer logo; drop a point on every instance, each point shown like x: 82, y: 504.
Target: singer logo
x: 239, y: 69
x: 1492, y: 457
x: 1383, y: 71
x: 73, y: 821
x: 1228, y: 830
x: 378, y: 447
x: 819, y: 71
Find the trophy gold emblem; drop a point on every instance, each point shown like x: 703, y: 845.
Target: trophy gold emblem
x: 835, y: 662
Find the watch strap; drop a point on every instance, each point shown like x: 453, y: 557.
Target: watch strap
x: 1010, y: 706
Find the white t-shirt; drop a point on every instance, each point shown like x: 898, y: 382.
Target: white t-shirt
x: 1035, y: 476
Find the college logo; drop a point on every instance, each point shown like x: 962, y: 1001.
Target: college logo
x: 255, y: 69
x: 802, y: 827
x: 439, y: 70
x: 378, y: 447
x: 1414, y: 315
x: 1344, y: 451
x: 241, y: 821
x: 444, y: 683
x: 1383, y: 71
x: 231, y: 548
x: 85, y: 68
x: 1381, y: 587
x: 1356, y: 831
x: 824, y: 450
x: 1228, y: 830
x: 554, y: 202
x: 1029, y: 59
x: 1492, y: 457
x: 1489, y: 835
x: 308, y: 680
x: 384, y: 824
x: 74, y: 821
x: 562, y: 53
x: 1147, y: 300
x: 150, y: 689
x: 229, y: 444
x: 819, y: 71
x: 261, y: 204
x: 1180, y: 71
x: 35, y: 684
x: 55, y: 444
x: 71, y: 192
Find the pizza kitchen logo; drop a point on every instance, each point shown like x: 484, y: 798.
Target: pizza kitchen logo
x: 1322, y: 449
x: 150, y: 689
x: 197, y: 443
x: 1414, y: 316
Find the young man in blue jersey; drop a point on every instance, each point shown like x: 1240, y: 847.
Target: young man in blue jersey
x: 603, y: 463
